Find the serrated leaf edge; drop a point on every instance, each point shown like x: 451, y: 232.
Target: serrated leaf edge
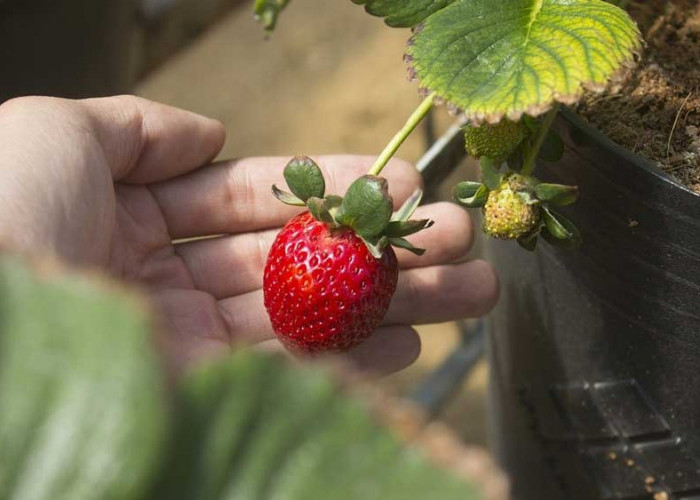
x: 478, y: 118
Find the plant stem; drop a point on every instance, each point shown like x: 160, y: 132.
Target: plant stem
x: 546, y: 124
x: 395, y: 143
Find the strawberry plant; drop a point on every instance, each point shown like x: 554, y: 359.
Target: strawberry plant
x: 501, y: 65
x: 504, y: 66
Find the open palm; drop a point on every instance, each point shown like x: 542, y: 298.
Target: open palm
x: 126, y: 185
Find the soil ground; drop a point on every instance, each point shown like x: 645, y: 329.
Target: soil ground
x: 330, y: 79
x: 654, y: 110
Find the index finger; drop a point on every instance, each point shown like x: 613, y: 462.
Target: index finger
x: 235, y: 196
x: 144, y: 141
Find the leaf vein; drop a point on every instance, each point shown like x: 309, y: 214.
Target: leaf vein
x: 465, y: 35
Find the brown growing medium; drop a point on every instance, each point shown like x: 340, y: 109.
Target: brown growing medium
x: 654, y: 110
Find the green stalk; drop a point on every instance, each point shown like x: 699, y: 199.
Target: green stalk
x: 546, y: 124
x: 395, y: 143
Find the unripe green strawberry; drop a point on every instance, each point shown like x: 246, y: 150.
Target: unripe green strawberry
x: 507, y: 215
x: 496, y: 142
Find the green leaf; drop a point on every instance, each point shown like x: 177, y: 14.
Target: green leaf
x: 366, y: 207
x: 400, y: 228
x: 403, y: 13
x: 409, y: 207
x: 471, y: 194
x: 304, y: 178
x: 505, y: 58
x: 556, y: 194
x: 255, y: 426
x: 552, y: 148
x: 83, y: 414
x: 267, y: 11
x: 560, y: 230
x: 490, y: 175
x: 287, y: 198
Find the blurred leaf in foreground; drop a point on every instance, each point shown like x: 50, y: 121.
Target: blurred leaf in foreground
x: 80, y: 389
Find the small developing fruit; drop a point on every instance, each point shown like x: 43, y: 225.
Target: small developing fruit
x: 496, y: 142
x: 507, y: 215
x: 323, y: 289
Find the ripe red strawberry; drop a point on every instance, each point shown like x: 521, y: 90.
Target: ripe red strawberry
x: 324, y: 290
x: 331, y: 271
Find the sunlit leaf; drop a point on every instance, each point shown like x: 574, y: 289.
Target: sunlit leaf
x: 508, y: 57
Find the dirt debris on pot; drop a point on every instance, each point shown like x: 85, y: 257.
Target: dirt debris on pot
x: 654, y: 110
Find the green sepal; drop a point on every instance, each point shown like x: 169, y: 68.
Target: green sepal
x: 406, y: 245
x: 529, y: 241
x: 471, y: 194
x: 400, y: 228
x: 552, y: 148
x: 409, y: 206
x: 560, y: 231
x: 333, y: 201
x: 528, y: 197
x: 367, y: 207
x: 524, y: 187
x: 572, y: 244
x: 529, y: 244
x: 318, y: 208
x: 556, y: 194
x: 377, y: 247
x: 490, y: 175
x: 304, y: 178
x: 287, y: 198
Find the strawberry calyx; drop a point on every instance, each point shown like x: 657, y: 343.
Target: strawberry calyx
x: 366, y: 207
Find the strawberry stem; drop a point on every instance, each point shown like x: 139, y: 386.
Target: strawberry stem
x: 395, y: 143
x: 542, y: 132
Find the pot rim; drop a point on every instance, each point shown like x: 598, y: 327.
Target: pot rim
x: 643, y: 163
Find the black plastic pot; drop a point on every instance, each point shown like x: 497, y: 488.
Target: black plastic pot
x: 68, y: 48
x: 596, y: 353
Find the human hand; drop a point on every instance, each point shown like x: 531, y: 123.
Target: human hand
x: 114, y: 182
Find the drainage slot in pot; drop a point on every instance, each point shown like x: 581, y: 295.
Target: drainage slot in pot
x: 626, y: 406
x: 577, y: 406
